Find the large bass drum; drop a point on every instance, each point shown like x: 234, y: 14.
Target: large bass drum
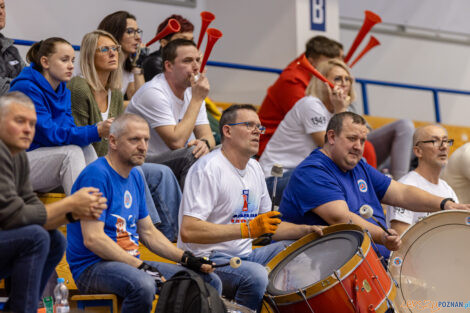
x: 432, y: 266
x: 336, y: 272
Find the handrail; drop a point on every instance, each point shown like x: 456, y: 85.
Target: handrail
x: 363, y: 82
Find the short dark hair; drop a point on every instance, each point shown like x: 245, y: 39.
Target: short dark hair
x: 116, y: 24
x: 229, y: 116
x: 321, y: 45
x: 169, y: 51
x: 336, y: 122
x: 186, y: 26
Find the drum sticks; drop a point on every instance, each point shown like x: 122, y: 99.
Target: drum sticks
x: 367, y: 212
x: 235, y: 262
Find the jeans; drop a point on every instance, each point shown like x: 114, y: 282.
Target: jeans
x: 29, y: 255
x: 137, y: 288
x: 52, y: 167
x: 394, y: 141
x: 247, y: 284
x: 166, y: 194
x: 179, y: 161
x: 280, y: 186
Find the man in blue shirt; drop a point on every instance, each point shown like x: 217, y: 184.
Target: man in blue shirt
x: 334, y: 182
x: 103, y: 255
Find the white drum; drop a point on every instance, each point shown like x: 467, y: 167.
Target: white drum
x: 432, y: 267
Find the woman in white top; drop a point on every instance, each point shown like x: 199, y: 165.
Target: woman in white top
x: 123, y: 26
x: 303, y: 127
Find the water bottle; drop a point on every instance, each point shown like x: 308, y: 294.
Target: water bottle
x: 61, y: 295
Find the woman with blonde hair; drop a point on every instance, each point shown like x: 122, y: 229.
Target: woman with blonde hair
x: 303, y: 128
x: 97, y: 96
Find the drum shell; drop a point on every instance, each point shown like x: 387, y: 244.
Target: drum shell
x: 373, y: 283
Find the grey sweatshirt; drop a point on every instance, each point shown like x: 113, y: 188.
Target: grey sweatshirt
x: 19, y: 205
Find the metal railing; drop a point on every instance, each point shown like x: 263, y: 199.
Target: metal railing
x: 363, y: 82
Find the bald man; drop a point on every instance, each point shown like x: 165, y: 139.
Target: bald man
x: 431, y: 147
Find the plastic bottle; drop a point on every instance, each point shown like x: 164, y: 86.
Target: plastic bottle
x: 61, y: 295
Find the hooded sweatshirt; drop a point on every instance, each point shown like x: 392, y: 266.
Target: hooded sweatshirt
x: 55, y: 125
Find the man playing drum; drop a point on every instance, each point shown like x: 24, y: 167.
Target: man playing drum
x: 333, y: 183
x: 431, y: 147
x: 226, y: 203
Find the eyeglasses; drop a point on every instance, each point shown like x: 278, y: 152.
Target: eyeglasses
x: 106, y: 49
x: 338, y: 80
x: 134, y: 31
x: 251, y: 126
x: 438, y: 143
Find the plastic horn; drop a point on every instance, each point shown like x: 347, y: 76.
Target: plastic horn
x: 235, y: 262
x: 367, y: 212
x: 207, y: 18
x: 369, y: 21
x: 212, y: 36
x: 309, y: 67
x: 371, y: 44
x: 173, y: 26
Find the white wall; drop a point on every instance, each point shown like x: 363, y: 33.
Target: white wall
x: 413, y: 61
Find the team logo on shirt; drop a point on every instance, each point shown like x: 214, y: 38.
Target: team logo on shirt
x: 127, y: 199
x: 246, y: 209
x: 362, y: 185
x: 245, y: 194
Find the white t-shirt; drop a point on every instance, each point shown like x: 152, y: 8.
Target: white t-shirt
x: 158, y: 105
x: 127, y: 78
x: 441, y: 189
x: 215, y: 191
x: 457, y: 172
x: 292, y: 141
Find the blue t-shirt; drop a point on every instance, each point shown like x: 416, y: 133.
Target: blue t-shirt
x: 126, y: 205
x: 318, y: 180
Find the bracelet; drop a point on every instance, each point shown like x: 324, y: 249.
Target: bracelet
x: 70, y: 218
x: 207, y: 142
x: 444, y: 201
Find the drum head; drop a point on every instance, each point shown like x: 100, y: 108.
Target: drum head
x: 314, y: 262
x: 432, y: 264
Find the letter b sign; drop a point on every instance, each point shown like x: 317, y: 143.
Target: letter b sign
x: 317, y: 15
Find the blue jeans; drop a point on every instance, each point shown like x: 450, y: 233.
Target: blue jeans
x: 247, y: 284
x: 137, y: 288
x: 29, y: 255
x: 280, y: 186
x: 166, y: 194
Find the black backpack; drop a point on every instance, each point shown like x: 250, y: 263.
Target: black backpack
x: 187, y: 292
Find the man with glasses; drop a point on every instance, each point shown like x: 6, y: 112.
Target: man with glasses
x: 431, y: 147
x: 173, y: 105
x: 334, y: 182
x: 226, y: 204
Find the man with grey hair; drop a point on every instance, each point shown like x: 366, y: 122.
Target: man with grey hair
x: 109, y: 247
x: 11, y: 62
x: 431, y: 147
x: 29, y: 244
